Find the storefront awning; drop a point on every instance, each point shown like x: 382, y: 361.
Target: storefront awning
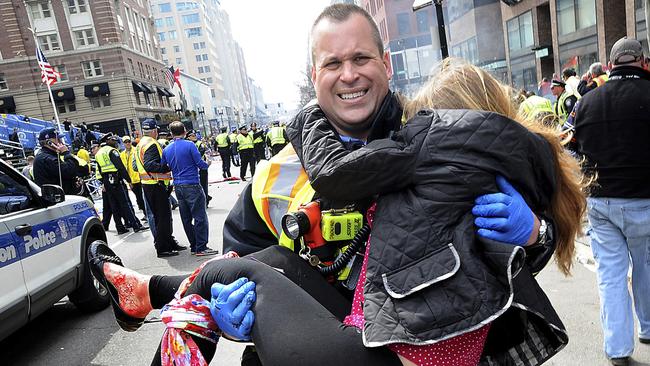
x: 161, y: 91
x: 7, y: 104
x: 137, y: 87
x: 96, y: 90
x: 63, y: 94
x: 148, y: 88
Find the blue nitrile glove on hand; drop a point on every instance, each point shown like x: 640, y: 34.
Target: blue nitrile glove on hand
x: 230, y: 307
x: 504, y: 216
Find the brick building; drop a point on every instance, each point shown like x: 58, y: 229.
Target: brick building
x: 105, y: 50
x: 542, y: 37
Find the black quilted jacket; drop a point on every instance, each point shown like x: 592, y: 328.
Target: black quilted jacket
x: 429, y: 277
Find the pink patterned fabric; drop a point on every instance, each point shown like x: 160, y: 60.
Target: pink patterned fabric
x: 462, y: 350
x: 185, y: 316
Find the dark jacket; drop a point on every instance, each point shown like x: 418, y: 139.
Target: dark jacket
x: 612, y: 130
x: 46, y: 170
x: 429, y: 277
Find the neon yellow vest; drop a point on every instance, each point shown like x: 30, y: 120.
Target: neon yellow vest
x: 104, y: 160
x: 222, y: 140
x: 244, y: 142
x: 147, y: 177
x: 127, y: 160
x: 276, y: 136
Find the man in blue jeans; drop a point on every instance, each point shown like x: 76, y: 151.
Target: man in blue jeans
x: 184, y: 160
x: 612, y: 129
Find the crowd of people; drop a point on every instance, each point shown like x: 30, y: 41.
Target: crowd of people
x: 466, y: 191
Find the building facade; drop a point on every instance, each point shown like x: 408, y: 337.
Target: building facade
x: 543, y: 37
x: 410, y: 37
x: 105, y: 52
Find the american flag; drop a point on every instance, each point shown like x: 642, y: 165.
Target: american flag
x: 48, y: 74
x: 169, y: 74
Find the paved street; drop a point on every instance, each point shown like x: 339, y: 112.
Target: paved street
x: 63, y: 336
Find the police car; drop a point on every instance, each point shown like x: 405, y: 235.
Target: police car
x: 43, y: 240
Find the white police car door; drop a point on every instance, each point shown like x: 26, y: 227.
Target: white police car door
x: 14, y: 305
x: 45, y: 246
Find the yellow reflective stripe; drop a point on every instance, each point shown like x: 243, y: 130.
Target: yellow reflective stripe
x: 305, y: 195
x: 103, y: 159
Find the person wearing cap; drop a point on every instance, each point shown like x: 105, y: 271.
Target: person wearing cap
x: 258, y: 143
x: 154, y: 177
x: 565, y: 101
x: 128, y: 158
x: 185, y: 161
x: 595, y: 77
x: 112, y: 171
x: 612, y: 130
x: 46, y: 162
x: 203, y: 173
x: 223, y: 147
x: 277, y: 138
x: 245, y: 148
x: 234, y: 156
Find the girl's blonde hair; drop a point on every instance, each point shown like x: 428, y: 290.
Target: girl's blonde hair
x: 459, y: 85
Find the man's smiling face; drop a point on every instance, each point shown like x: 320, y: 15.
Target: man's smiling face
x: 350, y: 74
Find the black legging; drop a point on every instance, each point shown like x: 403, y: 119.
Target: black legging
x: 297, y: 314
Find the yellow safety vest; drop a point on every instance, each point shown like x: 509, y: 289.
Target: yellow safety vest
x: 222, y: 140
x: 535, y: 105
x: 258, y: 139
x: 601, y: 80
x: 560, y: 109
x: 244, y: 142
x: 233, y: 138
x: 104, y: 160
x: 127, y: 160
x: 147, y: 177
x: 276, y: 136
x: 276, y: 194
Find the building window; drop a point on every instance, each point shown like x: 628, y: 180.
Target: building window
x: 573, y: 15
x: 193, y: 32
x: 458, y: 8
x: 49, y: 42
x: 208, y: 80
x: 191, y: 18
x: 169, y: 21
x: 141, y: 69
x: 92, y: 68
x: 520, y: 32
x: 131, y: 67
x: 179, y: 61
x: 84, y: 37
x: 3, y: 82
x: 63, y: 73
x: 158, y: 22
x: 40, y: 10
x: 164, y: 7
x: 66, y: 106
x: 467, y: 50
x: 203, y: 57
x: 422, y: 18
x: 195, y: 46
x: 172, y: 35
x: 163, y: 51
x: 638, y: 4
x: 177, y: 48
x: 161, y: 36
x: 206, y: 68
x: 77, y: 6
x: 200, y: 69
x: 137, y: 98
x: 403, y: 25
x: 100, y: 101
x: 186, y: 5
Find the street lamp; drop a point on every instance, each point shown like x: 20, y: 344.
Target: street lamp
x: 220, y: 110
x: 201, y: 111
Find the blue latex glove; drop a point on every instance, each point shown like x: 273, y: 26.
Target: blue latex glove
x: 504, y: 216
x: 230, y: 307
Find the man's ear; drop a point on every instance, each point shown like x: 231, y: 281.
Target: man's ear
x: 386, y: 60
x: 313, y: 74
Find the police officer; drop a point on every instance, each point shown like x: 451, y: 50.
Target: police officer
x: 234, y: 156
x: 258, y: 143
x: 277, y: 138
x: 46, y: 163
x: 203, y: 173
x: 154, y: 176
x: 565, y: 101
x: 538, y: 108
x: 246, y: 152
x: 223, y: 146
x: 128, y: 156
x: 112, y: 171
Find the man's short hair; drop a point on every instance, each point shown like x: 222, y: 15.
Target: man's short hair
x: 30, y: 158
x: 339, y: 13
x: 596, y: 69
x: 568, y: 72
x: 177, y: 128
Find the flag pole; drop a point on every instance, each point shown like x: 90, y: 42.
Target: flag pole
x: 56, y: 114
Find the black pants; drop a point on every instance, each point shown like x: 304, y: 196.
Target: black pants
x: 107, y: 213
x: 297, y: 313
x: 259, y: 151
x: 120, y: 204
x: 224, y: 152
x: 157, y: 197
x: 203, y: 179
x: 275, y: 149
x: 247, y: 157
x: 139, y: 198
x: 234, y: 156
